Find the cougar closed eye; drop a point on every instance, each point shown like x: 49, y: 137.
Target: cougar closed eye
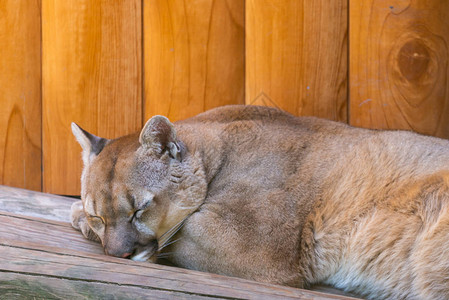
x: 97, y: 218
x: 146, y: 200
x: 137, y: 214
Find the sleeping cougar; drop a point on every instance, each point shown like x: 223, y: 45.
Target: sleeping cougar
x: 257, y: 193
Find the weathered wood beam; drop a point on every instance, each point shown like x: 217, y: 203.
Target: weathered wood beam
x: 30, y: 203
x: 42, y: 269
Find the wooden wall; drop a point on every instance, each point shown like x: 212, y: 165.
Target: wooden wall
x: 399, y: 70
x: 20, y: 94
x: 296, y: 56
x: 91, y: 68
x: 194, y: 56
x: 110, y: 65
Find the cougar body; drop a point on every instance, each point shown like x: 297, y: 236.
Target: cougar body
x: 257, y: 193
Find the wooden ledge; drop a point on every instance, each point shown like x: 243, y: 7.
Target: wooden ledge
x: 46, y: 258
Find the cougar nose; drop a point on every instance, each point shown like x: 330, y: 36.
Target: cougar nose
x: 118, y: 253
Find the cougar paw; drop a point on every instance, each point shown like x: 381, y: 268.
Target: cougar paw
x: 79, y: 221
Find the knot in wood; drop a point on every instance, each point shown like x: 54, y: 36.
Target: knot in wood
x: 413, y: 60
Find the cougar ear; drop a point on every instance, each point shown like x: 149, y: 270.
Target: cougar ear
x: 91, y: 144
x: 159, y: 134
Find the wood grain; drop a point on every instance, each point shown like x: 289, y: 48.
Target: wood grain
x: 194, y: 56
x: 39, y: 234
x: 26, y: 286
x: 92, y: 76
x: 20, y: 94
x: 297, y: 56
x: 400, y: 65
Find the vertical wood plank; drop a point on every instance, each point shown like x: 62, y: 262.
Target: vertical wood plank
x: 92, y: 76
x: 194, y: 56
x: 20, y: 94
x: 297, y: 56
x: 400, y: 65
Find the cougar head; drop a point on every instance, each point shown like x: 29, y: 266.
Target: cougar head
x: 137, y: 190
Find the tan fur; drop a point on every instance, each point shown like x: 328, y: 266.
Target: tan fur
x: 275, y: 198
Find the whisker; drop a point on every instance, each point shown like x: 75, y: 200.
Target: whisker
x: 163, y: 242
x: 168, y: 244
x: 167, y: 235
x: 164, y: 255
x: 168, y: 232
x: 187, y: 207
x: 165, y: 238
